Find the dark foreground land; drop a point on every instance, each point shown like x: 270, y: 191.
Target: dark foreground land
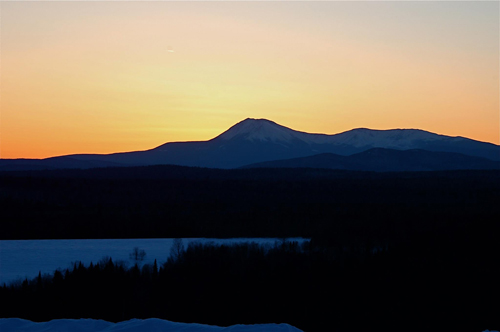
x: 388, y: 251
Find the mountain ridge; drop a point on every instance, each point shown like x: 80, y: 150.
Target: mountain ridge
x: 259, y: 140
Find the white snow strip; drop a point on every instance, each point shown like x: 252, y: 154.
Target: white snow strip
x: 133, y: 325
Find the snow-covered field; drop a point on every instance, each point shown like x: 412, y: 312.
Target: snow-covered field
x: 133, y: 325
x: 21, y: 259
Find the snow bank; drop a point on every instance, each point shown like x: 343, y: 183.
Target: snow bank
x: 133, y: 325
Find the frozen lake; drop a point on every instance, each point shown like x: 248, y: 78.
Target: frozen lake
x: 21, y: 259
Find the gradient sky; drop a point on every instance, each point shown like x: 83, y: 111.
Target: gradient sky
x: 101, y: 77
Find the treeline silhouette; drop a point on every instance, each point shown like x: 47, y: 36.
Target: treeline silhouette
x: 406, y: 287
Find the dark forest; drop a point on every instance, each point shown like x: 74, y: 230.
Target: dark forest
x: 393, y: 251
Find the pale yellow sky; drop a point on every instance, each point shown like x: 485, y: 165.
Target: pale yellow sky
x: 100, y: 77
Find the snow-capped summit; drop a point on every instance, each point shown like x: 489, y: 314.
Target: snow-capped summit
x: 266, y: 130
x: 400, y: 139
x: 258, y: 130
x: 263, y: 130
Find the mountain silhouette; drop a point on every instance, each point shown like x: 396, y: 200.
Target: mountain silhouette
x: 259, y: 140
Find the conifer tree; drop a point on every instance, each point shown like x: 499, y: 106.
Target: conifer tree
x: 39, y: 280
x: 155, y: 269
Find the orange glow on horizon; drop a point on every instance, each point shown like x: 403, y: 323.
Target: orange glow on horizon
x: 101, y: 77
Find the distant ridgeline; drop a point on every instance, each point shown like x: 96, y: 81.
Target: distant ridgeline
x: 254, y: 141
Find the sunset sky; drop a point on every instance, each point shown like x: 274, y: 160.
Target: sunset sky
x: 102, y: 77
